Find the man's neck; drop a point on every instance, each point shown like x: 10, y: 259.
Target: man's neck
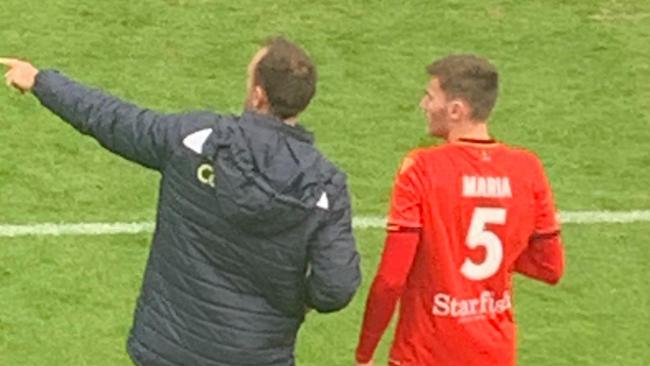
x: 475, y: 130
x: 293, y: 121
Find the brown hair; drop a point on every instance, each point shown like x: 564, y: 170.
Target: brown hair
x: 288, y: 76
x: 471, y: 78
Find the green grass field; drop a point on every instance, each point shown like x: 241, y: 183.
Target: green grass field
x: 575, y: 89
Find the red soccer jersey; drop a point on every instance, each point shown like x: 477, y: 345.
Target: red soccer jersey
x: 477, y: 205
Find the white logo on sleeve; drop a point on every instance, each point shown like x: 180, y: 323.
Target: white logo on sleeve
x: 323, y: 202
x: 195, y: 141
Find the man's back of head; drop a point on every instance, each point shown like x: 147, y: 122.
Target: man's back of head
x: 468, y: 77
x: 460, y: 96
x: 281, y: 79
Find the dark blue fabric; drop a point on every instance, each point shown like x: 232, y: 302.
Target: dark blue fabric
x: 234, y: 260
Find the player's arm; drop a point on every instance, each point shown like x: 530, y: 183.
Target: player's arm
x: 137, y: 134
x: 386, y: 290
x: 404, y: 225
x: 335, y: 272
x: 543, y: 259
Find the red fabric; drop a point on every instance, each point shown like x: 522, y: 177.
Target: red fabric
x: 543, y: 260
x: 399, y: 251
x: 477, y: 206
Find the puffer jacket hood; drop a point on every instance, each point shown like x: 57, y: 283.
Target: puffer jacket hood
x: 269, y: 188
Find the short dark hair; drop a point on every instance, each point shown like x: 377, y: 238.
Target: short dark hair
x: 471, y: 78
x: 287, y: 75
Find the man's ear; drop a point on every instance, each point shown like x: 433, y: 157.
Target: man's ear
x: 260, y: 99
x: 458, y: 110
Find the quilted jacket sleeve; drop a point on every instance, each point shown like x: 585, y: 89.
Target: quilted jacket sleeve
x: 137, y: 134
x: 335, y: 271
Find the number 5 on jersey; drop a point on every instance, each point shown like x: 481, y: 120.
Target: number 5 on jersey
x: 478, y: 236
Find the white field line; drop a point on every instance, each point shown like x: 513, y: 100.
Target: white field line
x: 360, y: 222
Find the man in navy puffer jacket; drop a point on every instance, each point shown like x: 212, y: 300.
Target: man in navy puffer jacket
x: 253, y: 224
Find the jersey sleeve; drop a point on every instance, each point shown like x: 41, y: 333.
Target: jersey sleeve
x: 399, y: 252
x: 544, y: 258
x: 406, y: 206
x: 546, y: 221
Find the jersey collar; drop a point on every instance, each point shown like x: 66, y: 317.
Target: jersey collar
x: 476, y: 142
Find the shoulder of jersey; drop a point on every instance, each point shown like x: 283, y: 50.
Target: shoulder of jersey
x: 426, y: 152
x: 525, y: 154
x: 410, y: 159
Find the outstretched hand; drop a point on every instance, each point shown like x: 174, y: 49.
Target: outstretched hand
x: 21, y: 74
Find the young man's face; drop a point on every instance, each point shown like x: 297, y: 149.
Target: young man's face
x: 434, y: 104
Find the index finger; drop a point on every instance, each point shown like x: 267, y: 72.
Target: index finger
x: 8, y: 61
